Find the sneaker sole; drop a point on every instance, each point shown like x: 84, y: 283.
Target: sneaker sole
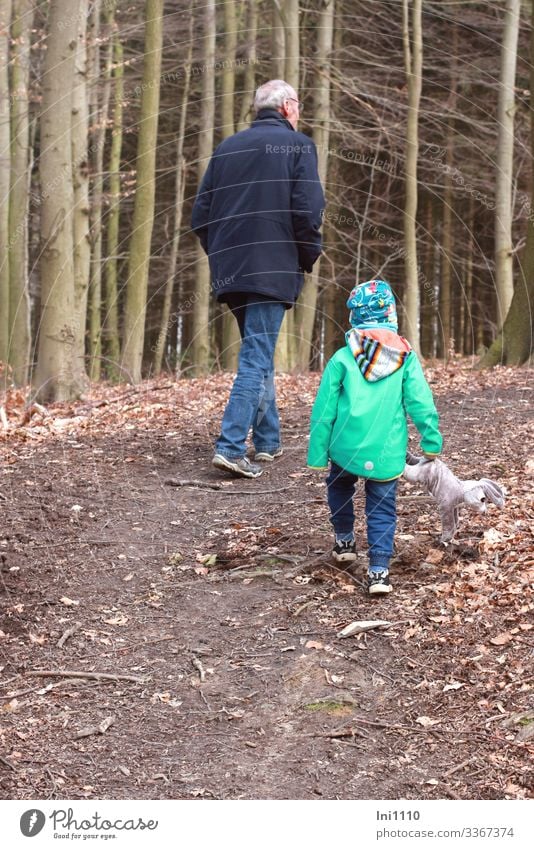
x: 380, y: 589
x: 220, y: 462
x: 349, y: 557
x: 263, y: 457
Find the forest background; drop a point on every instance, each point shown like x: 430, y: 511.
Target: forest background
x: 110, y: 110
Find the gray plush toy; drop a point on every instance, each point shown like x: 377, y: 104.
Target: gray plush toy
x: 450, y: 492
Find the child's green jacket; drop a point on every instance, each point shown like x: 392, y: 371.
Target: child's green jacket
x: 358, y: 419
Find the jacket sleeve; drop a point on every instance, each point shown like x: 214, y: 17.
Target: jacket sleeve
x: 307, y: 206
x: 323, y: 416
x: 200, y: 217
x: 419, y: 404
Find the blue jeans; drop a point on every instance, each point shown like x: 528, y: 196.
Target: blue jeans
x: 380, y: 512
x: 252, y: 401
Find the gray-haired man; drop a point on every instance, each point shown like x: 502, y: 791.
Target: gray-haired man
x: 258, y: 215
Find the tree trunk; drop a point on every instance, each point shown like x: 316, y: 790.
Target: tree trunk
x: 515, y: 344
x: 245, y: 114
x: 5, y: 168
x: 143, y: 217
x: 180, y: 180
x: 278, y: 41
x: 111, y: 318
x: 305, y: 311
x: 413, y: 58
x: 292, y: 41
x: 80, y: 181
x: 19, y: 300
x: 230, y: 329
x: 101, y: 114
x: 200, y: 343
x: 288, y: 15
x: 469, y: 323
x: 504, y: 281
x: 59, y: 375
x: 427, y: 293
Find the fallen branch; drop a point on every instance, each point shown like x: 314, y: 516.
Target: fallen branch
x: 95, y: 729
x: 222, y: 488
x: 197, y: 484
x: 68, y: 633
x: 198, y: 665
x: 6, y: 763
x: 459, y: 767
x: 65, y: 673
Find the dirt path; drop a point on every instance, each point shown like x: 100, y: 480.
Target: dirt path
x: 243, y: 688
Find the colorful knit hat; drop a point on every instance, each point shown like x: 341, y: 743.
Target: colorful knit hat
x: 372, y: 305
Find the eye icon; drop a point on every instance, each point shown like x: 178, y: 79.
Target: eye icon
x: 32, y: 822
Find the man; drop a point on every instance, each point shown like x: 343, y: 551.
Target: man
x: 258, y: 214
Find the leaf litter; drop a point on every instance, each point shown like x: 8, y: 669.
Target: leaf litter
x: 205, y: 604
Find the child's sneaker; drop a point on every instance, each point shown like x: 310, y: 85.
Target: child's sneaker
x: 344, y: 551
x: 378, y: 582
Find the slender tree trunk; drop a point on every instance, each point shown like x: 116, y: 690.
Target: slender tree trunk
x: 178, y: 208
x: 101, y: 113
x: 111, y: 317
x: 445, y: 285
x: 289, y: 15
x: 504, y: 281
x: 469, y: 324
x: 200, y: 343
x: 292, y: 40
x: 59, y: 375
x: 446, y: 311
x: 19, y: 300
x: 278, y: 41
x: 80, y: 181
x: 245, y: 114
x: 305, y: 312
x: 230, y: 329
x: 413, y: 58
x: 143, y: 217
x: 515, y: 344
x: 5, y: 168
x: 427, y: 289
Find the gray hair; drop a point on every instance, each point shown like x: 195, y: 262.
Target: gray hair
x: 271, y: 95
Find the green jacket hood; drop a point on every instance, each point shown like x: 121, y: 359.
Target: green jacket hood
x: 377, y: 352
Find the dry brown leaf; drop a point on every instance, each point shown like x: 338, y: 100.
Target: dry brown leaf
x: 427, y: 721
x: 68, y: 602
x: 502, y: 639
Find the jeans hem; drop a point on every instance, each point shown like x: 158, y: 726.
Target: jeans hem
x: 230, y: 457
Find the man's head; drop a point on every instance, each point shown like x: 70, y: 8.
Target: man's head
x: 372, y: 304
x: 279, y: 95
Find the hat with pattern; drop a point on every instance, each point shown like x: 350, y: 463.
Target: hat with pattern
x: 372, y: 304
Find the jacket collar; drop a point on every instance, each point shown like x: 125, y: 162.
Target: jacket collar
x: 271, y: 115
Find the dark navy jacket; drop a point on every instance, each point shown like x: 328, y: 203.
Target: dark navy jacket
x: 259, y: 208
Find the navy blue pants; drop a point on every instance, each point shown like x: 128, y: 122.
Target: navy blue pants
x: 380, y: 512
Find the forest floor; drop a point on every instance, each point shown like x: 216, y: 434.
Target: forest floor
x: 215, y: 613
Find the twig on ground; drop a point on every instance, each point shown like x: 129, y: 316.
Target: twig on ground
x: 65, y: 673
x: 459, y: 767
x: 198, y: 665
x: 68, y: 633
x: 6, y: 763
x: 347, y: 732
x: 451, y: 793
x: 197, y: 484
x: 95, y: 729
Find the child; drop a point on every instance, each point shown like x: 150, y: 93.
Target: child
x: 359, y: 422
